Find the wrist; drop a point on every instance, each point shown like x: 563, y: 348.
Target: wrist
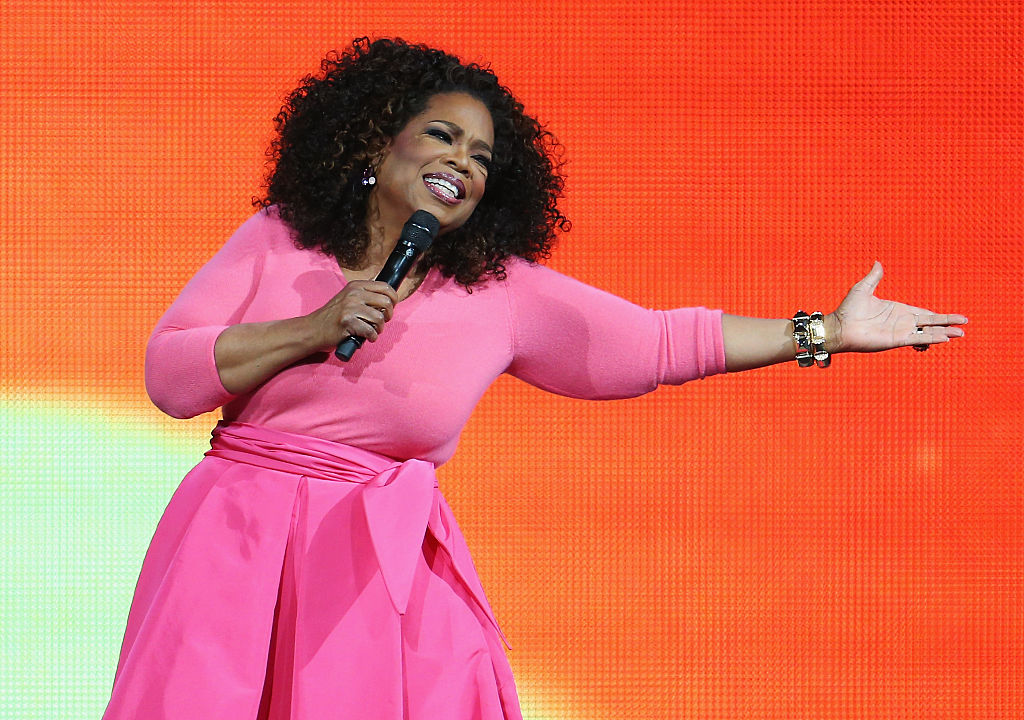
x: 312, y: 333
x: 833, y: 333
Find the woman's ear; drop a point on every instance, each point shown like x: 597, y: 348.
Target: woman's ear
x: 367, y: 177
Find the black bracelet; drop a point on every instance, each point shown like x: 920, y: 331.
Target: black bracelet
x: 802, y: 337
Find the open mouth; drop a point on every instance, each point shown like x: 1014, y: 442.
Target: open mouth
x: 446, y: 188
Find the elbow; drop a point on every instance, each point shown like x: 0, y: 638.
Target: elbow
x: 175, y: 410
x: 691, y: 345
x: 170, y: 397
x: 181, y: 377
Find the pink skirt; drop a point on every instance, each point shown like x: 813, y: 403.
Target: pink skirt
x: 293, y: 577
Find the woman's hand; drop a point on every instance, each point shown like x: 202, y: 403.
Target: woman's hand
x: 361, y: 309
x: 864, y: 323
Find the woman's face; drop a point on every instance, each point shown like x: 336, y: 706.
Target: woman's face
x: 437, y: 163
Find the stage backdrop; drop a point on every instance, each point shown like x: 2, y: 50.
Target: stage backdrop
x: 787, y: 543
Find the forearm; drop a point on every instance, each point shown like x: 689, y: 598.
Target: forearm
x: 248, y: 354
x: 757, y: 342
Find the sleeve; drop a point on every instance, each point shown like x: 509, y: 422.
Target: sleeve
x: 575, y: 340
x: 181, y: 374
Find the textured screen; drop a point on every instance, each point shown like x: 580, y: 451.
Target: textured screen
x: 784, y: 543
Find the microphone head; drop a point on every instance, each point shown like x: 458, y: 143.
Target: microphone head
x: 421, y: 229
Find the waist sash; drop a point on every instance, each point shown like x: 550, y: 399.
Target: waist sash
x: 401, y: 499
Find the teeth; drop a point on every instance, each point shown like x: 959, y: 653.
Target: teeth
x: 445, y: 186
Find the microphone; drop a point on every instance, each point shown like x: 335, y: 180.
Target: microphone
x: 417, y: 235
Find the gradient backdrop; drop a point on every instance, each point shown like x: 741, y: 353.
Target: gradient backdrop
x: 783, y: 544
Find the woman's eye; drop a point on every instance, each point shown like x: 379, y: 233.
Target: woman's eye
x: 485, y: 162
x: 440, y: 135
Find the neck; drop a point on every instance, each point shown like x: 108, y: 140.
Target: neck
x: 383, y: 233
x: 383, y: 237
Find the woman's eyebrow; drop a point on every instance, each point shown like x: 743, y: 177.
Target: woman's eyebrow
x: 459, y: 132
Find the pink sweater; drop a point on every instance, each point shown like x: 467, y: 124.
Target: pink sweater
x: 409, y: 394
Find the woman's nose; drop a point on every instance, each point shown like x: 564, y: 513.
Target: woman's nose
x: 458, y: 160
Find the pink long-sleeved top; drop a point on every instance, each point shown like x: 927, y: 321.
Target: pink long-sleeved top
x: 409, y: 394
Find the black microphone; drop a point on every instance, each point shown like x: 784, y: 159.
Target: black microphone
x: 417, y: 235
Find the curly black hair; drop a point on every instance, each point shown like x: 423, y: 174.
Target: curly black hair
x: 336, y: 123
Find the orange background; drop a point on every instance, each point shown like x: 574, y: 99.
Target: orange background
x: 784, y: 543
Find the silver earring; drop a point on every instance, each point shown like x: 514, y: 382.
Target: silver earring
x: 368, y: 177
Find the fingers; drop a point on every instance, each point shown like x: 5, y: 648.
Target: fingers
x: 375, y: 320
x: 932, y: 328
x: 364, y: 313
x: 926, y: 319
x: 924, y: 336
x: 378, y: 310
x: 374, y: 293
x: 870, y: 281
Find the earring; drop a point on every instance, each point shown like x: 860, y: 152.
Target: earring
x: 368, y: 177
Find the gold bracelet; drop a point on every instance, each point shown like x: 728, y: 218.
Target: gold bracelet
x: 821, y: 357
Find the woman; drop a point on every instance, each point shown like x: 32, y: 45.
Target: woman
x: 309, y: 567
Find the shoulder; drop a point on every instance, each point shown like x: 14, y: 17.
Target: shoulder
x: 266, y: 226
x: 521, y: 273
x: 525, y: 277
x: 263, y: 233
x: 531, y: 288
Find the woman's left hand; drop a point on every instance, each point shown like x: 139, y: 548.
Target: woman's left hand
x: 864, y: 323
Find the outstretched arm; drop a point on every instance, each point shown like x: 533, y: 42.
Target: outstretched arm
x: 861, y: 323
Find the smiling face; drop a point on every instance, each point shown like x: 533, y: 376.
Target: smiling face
x: 437, y: 163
